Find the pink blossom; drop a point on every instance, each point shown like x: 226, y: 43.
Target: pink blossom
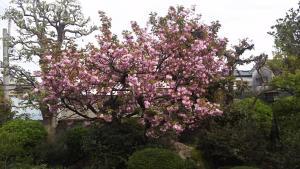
x: 37, y: 73
x: 48, y: 57
x: 35, y: 90
x: 147, y: 104
x: 178, y: 127
x: 165, y: 68
x: 168, y: 77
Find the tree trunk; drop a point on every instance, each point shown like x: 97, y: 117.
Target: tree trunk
x: 230, y: 88
x: 274, y: 134
x: 49, y: 122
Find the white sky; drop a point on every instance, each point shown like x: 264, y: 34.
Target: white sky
x: 239, y: 18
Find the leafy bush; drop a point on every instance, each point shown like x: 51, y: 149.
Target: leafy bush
x: 258, y: 112
x: 26, y: 165
x: 74, y: 140
x: 287, y: 110
x: 233, y: 145
x: 190, y: 164
x: 243, y: 167
x: 18, y: 139
x: 288, y: 113
x: 5, y: 108
x: 104, y: 146
x: 197, y: 157
x: 108, y: 146
x: 240, y: 136
x: 154, y: 158
x: 67, y: 150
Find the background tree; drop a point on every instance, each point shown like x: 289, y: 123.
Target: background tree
x: 234, y: 59
x: 46, y: 27
x: 285, y: 65
x: 224, y: 88
x: 287, y: 33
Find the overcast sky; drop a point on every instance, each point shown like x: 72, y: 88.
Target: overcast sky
x: 239, y: 18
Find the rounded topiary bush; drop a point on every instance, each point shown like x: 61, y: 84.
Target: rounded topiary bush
x: 18, y: 138
x: 22, y: 134
x: 154, y: 158
x: 244, y: 167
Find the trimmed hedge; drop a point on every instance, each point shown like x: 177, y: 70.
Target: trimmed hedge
x: 154, y: 158
x: 18, y: 139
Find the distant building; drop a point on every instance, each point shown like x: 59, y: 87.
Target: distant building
x: 261, y: 79
x: 244, y: 76
x: 257, y: 82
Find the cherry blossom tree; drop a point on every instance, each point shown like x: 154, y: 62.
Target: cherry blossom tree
x: 158, y: 74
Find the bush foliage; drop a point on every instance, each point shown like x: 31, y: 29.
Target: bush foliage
x: 109, y: 145
x: 243, y: 167
x: 18, y: 138
x: 5, y: 108
x: 67, y: 150
x: 153, y: 158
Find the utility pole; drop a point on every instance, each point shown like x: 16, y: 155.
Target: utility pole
x: 5, y: 64
x: 6, y: 77
x: 9, y: 27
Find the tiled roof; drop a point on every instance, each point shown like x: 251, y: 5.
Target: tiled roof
x: 243, y: 73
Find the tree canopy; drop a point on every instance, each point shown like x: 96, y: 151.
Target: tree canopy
x: 159, y: 75
x: 46, y: 27
x: 287, y: 32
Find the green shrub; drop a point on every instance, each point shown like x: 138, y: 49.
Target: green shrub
x: 18, y: 138
x: 259, y: 112
x: 105, y: 146
x: 154, y: 158
x: 243, y: 167
x: 240, y: 136
x: 5, y: 108
x: 287, y: 110
x: 67, y: 150
x: 29, y: 132
x: 74, y: 140
x: 190, y: 164
x: 24, y: 165
x: 108, y: 146
x: 197, y: 157
x: 233, y: 145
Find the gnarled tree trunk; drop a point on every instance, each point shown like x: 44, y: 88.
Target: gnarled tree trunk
x: 49, y: 122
